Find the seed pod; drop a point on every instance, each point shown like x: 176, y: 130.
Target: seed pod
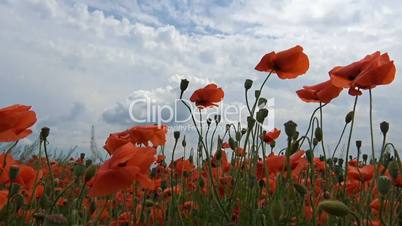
x: 184, y: 143
x: 262, y: 102
x: 90, y: 172
x: 358, y: 144
x: 250, y: 122
x: 334, y: 207
x: 44, y: 133
x: 384, y: 126
x: 232, y: 143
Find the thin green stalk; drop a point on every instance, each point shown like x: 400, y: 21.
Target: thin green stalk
x: 348, y: 145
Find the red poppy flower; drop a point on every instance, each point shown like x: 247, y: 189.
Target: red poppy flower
x: 127, y: 164
x: 363, y: 174
x: 271, y: 136
x: 208, y: 96
x: 182, y: 165
x: 286, y: 64
x: 323, y: 92
x: 15, y: 121
x: 372, y: 70
x: 155, y: 134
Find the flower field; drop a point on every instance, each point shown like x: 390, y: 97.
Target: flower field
x: 238, y: 177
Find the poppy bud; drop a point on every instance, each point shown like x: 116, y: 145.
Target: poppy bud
x: 82, y: 155
x: 318, y: 134
x: 176, y: 135
x: 384, y: 126
x: 349, y: 117
x: 315, y: 141
x: 44, y: 133
x: 365, y: 157
x: 276, y: 209
x: 209, y: 121
x: 393, y: 169
x: 14, y: 170
x: 248, y: 83
x: 56, y: 220
x: 340, y: 162
x: 257, y: 94
x: 250, y: 122
x: 272, y: 144
x: 290, y: 128
x: 384, y: 185
x: 243, y: 131
x: 232, y: 143
x: 334, y: 207
x: 217, y: 119
x: 78, y: 170
x: 358, y: 144
x: 149, y: 203
x: 262, y: 102
x: 184, y: 143
x: 227, y: 127
x: 183, y: 86
x: 261, y: 115
x: 302, y: 190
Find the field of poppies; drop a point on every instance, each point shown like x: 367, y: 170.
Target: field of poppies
x: 237, y: 177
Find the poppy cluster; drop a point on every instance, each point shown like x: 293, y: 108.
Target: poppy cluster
x: 228, y: 178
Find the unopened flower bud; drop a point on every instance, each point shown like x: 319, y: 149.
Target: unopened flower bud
x: 384, y: 126
x: 290, y: 128
x: 248, y: 83
x: 90, y: 172
x: 209, y: 121
x: 217, y: 119
x: 238, y: 135
x: 318, y: 134
x: 176, y: 135
x: 262, y: 102
x: 183, y: 86
x: 82, y: 155
x: 358, y: 144
x: 184, y: 143
x: 44, y: 133
x: 310, y: 156
x: 384, y: 185
x: 334, y: 207
x: 232, y: 143
x: 243, y: 131
x: 301, y: 189
x: 257, y: 94
x: 349, y: 117
x: 250, y: 122
x: 261, y: 115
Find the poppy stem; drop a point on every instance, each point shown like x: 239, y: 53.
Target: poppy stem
x: 49, y: 168
x: 371, y: 125
x: 339, y: 141
x: 348, y: 145
x: 309, y: 124
x: 215, y: 194
x: 59, y: 196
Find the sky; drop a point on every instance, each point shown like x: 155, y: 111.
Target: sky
x: 81, y: 63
